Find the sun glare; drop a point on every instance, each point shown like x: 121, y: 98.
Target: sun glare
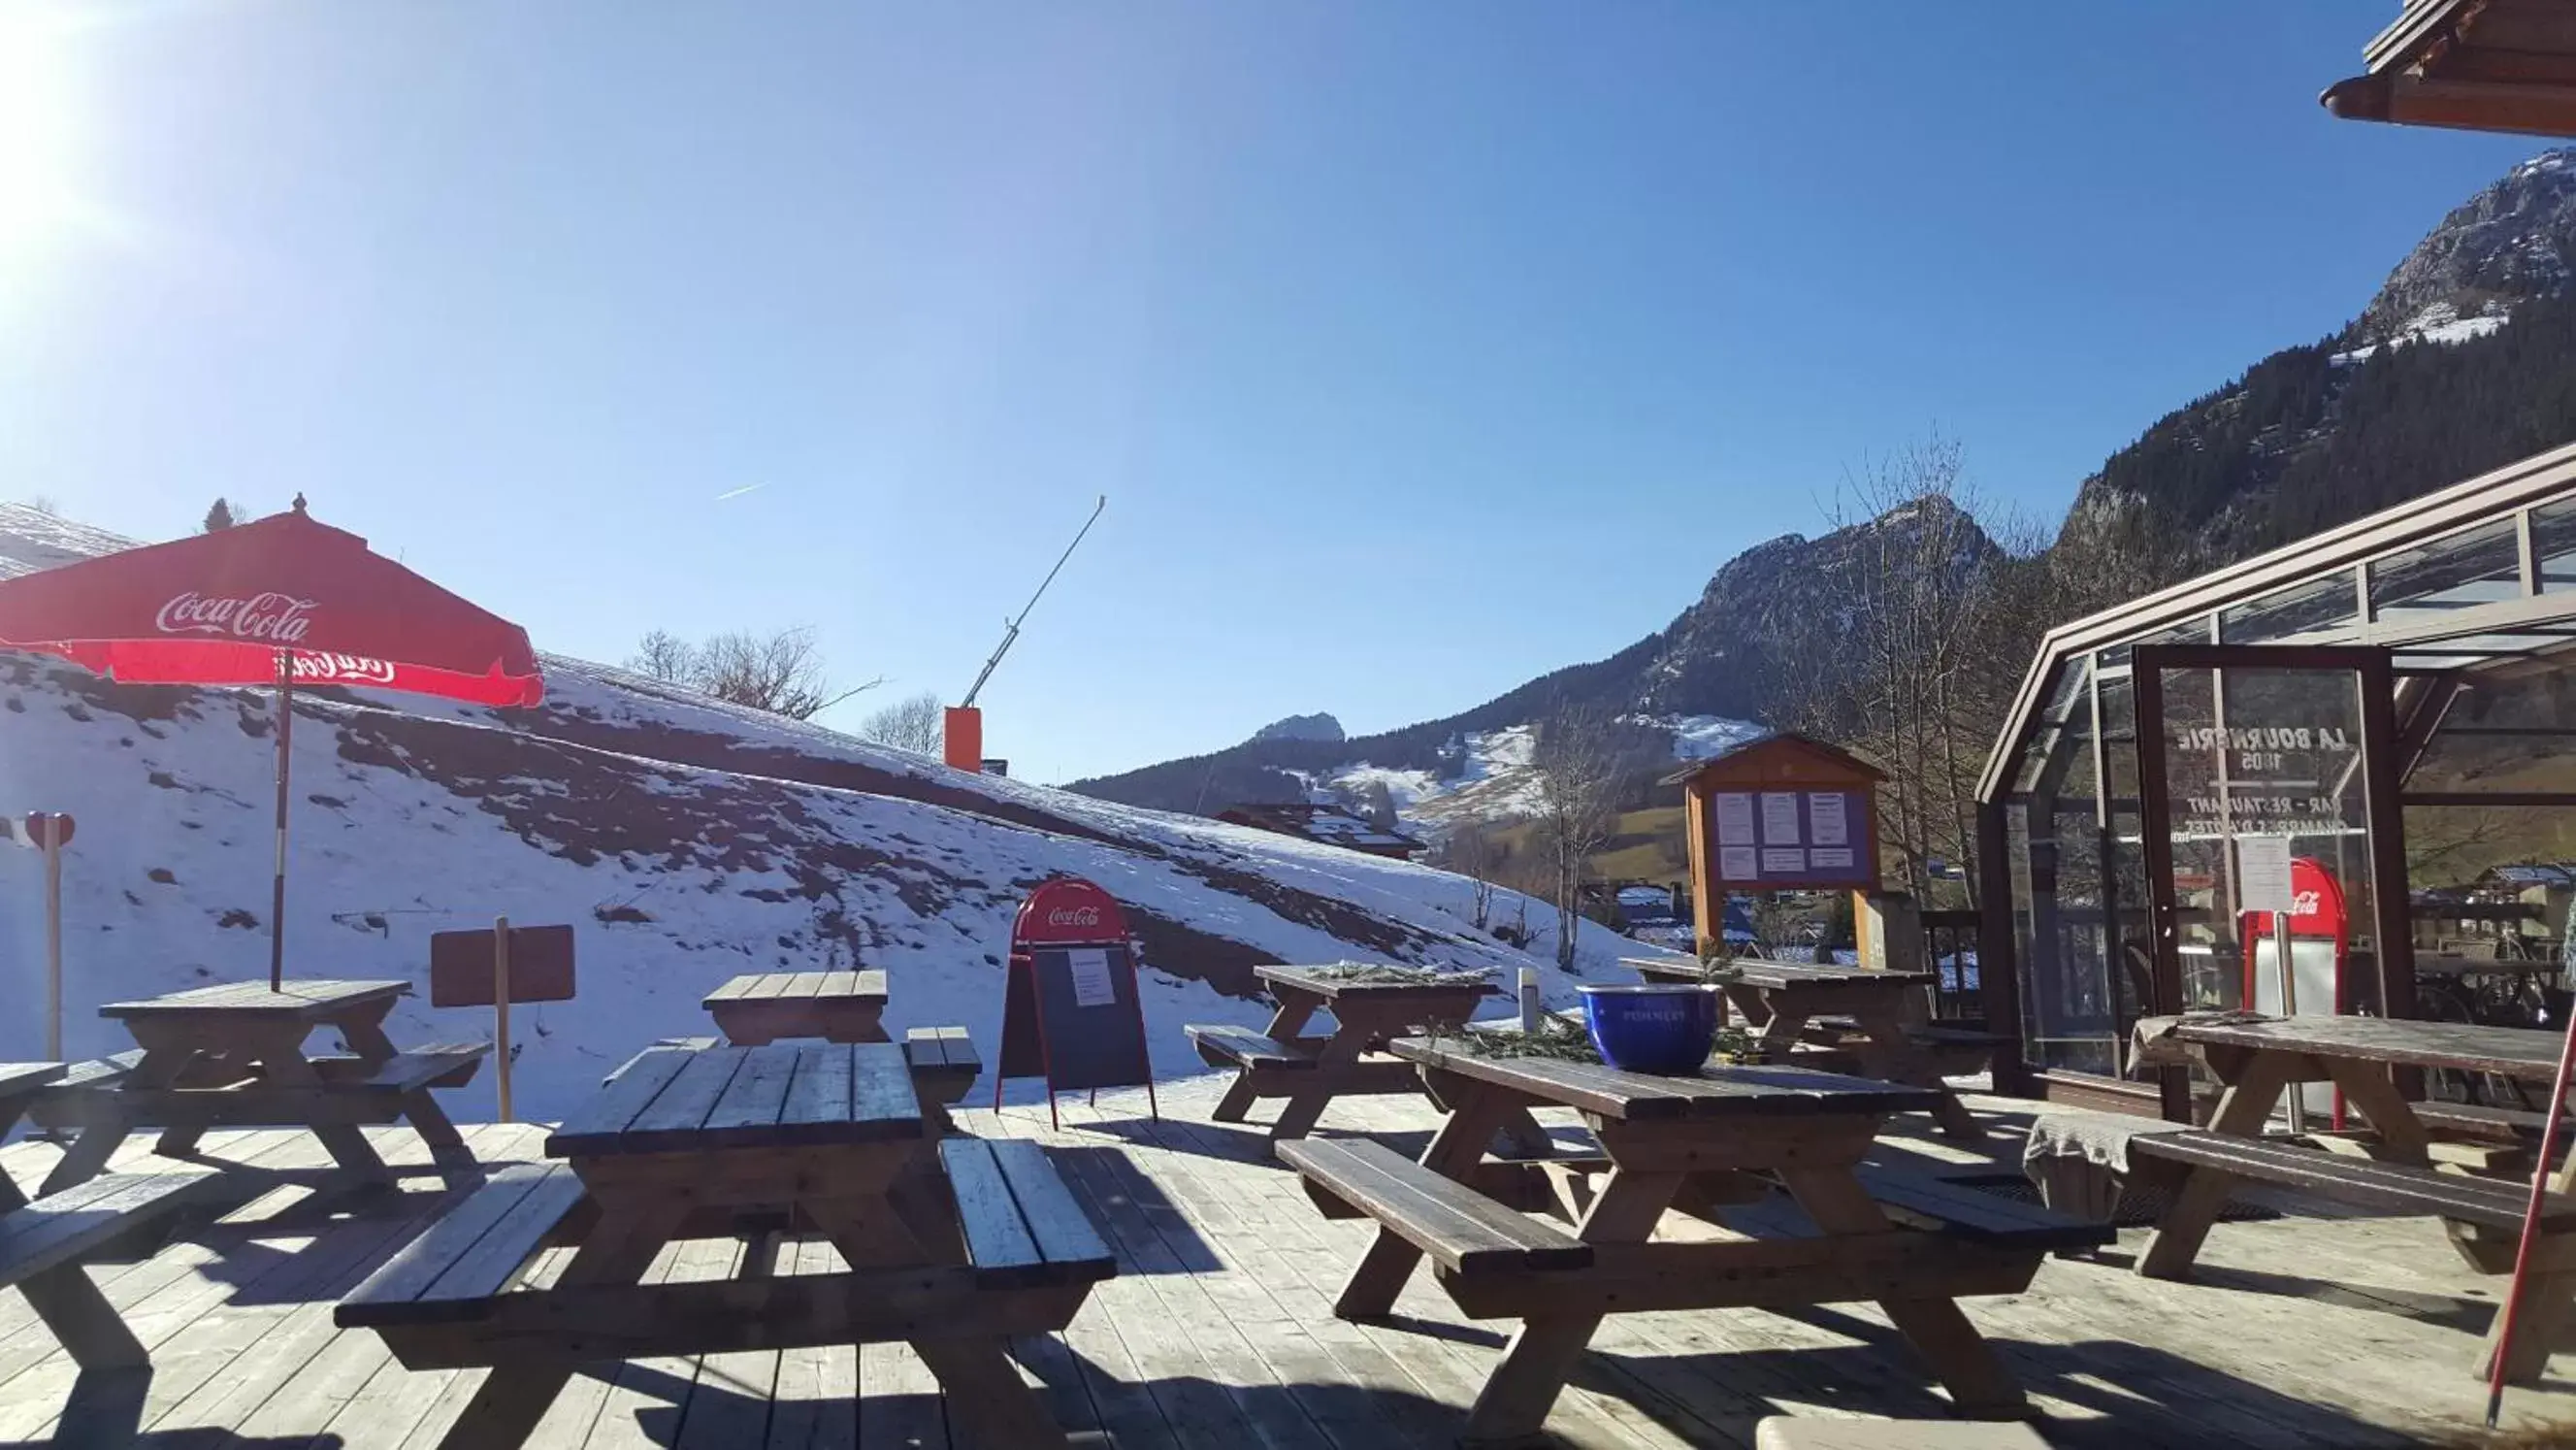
x: 35, y: 132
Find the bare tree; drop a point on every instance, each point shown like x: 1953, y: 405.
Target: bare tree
x: 663, y: 655
x: 916, y: 723
x: 1471, y: 850
x: 781, y: 673
x: 1938, y: 615
x: 1577, y: 765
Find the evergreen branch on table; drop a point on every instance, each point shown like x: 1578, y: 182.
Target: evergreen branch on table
x: 1398, y: 974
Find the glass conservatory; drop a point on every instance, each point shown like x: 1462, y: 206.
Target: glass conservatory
x: 2337, y: 777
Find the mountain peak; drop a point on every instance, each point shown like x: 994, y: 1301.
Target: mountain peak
x: 2508, y: 244
x: 1318, y: 726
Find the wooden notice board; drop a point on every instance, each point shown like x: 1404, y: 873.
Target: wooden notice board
x: 1783, y: 813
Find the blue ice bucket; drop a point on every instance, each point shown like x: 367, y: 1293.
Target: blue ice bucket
x: 1659, y: 1027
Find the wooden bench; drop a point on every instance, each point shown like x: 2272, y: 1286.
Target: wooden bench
x: 440, y: 1065
x: 1460, y: 1229
x: 1959, y: 1211
x: 1023, y: 1228
x: 2370, y: 1183
x: 1959, y: 1050
x: 1241, y: 1047
x: 1779, y: 1432
x: 98, y: 1072
x: 2481, y: 1123
x: 477, y: 1250
x: 450, y: 1297
x: 42, y: 1245
x: 943, y: 1062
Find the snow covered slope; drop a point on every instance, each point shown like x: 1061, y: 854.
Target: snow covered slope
x: 1492, y: 779
x: 685, y: 839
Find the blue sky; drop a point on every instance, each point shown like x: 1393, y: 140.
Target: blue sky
x: 1420, y: 348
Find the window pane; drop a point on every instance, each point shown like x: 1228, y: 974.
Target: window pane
x: 2553, y: 545
x: 2326, y: 602
x: 2512, y: 733
x: 2472, y: 567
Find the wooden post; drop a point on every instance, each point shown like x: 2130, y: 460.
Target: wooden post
x: 501, y: 1009
x: 53, y: 846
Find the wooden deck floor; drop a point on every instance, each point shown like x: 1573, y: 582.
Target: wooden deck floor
x: 2309, y: 1331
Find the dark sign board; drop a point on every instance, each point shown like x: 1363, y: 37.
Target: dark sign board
x: 1070, y: 1009
x: 461, y: 966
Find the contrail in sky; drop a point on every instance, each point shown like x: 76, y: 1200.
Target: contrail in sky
x: 739, y: 492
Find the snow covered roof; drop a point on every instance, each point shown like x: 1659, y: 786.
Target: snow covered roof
x: 1329, y: 824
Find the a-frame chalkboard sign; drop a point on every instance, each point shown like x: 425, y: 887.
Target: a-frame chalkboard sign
x: 1070, y: 1012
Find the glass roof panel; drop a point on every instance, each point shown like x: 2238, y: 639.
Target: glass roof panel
x: 2479, y: 565
x: 2553, y: 545
x: 2311, y: 606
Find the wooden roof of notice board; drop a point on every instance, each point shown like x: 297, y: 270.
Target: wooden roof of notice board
x: 2478, y: 65
x: 1779, y: 759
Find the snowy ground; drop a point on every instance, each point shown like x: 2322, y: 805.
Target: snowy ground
x: 686, y: 841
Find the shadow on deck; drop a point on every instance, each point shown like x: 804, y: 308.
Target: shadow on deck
x: 2326, y: 1331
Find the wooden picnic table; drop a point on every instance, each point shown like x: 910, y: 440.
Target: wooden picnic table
x: 233, y: 1055
x: 20, y: 1082
x: 1790, y: 1002
x: 1696, y: 1143
x: 952, y: 1246
x: 2261, y: 1059
x: 758, y: 1008
x: 1310, y: 1071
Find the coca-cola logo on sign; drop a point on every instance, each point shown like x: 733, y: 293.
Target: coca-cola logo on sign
x: 342, y: 669
x: 271, y: 617
x: 2306, y: 903
x: 1073, y: 916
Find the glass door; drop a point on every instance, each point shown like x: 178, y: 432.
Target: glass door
x: 2266, y: 780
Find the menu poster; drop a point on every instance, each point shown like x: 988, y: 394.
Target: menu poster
x: 1780, y: 818
x: 1828, y: 820
x: 1734, y: 818
x: 1738, y: 863
x: 2263, y: 874
x: 1092, y: 984
x: 1778, y: 861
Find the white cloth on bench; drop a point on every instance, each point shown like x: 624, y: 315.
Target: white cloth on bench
x: 2154, y: 1041
x: 2079, y: 1160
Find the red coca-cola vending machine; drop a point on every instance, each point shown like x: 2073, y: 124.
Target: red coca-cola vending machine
x: 2320, y: 961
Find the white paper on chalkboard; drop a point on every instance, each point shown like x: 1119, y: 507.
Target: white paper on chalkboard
x: 1779, y: 818
x: 1738, y: 863
x: 1827, y: 822
x: 2263, y: 874
x: 1092, y: 984
x: 1824, y: 859
x: 1734, y: 818
x: 1777, y: 862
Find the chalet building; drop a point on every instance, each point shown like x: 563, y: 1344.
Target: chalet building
x: 1329, y: 824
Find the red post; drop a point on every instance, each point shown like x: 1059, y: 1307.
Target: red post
x: 963, y: 738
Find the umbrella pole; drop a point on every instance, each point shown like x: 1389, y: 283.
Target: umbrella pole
x: 277, y: 895
x: 2540, y: 1176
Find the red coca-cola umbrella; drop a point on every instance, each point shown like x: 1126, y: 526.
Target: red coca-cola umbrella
x: 283, y: 601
